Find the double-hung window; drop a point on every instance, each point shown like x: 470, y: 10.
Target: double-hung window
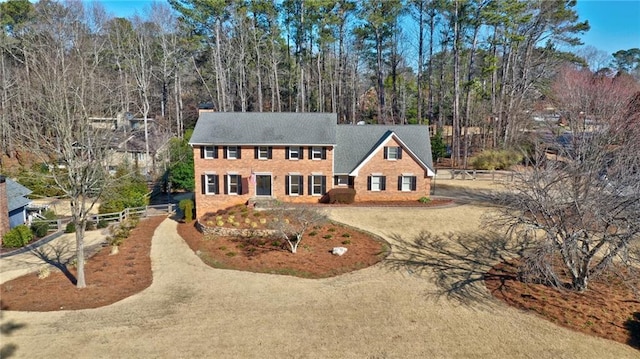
x: 234, y: 184
x: 294, y: 185
x: 210, y: 183
x: 293, y: 153
x: 317, y: 184
x: 232, y: 152
x: 262, y: 152
x: 317, y: 153
x: 393, y: 153
x: 376, y: 183
x: 210, y: 152
x: 406, y: 183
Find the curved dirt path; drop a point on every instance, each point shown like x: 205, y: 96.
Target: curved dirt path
x: 194, y: 311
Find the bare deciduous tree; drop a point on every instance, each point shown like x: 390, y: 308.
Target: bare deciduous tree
x: 64, y: 89
x: 583, y: 205
x: 292, y: 222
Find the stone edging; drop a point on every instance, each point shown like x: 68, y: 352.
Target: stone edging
x: 229, y: 232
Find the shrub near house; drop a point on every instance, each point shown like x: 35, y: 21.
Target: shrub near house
x: 18, y: 236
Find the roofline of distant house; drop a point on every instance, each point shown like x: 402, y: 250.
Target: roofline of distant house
x: 261, y: 144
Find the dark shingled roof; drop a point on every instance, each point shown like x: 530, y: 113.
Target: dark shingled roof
x: 264, y: 128
x: 16, y: 195
x: 355, y: 143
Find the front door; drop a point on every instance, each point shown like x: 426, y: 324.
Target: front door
x: 263, y: 185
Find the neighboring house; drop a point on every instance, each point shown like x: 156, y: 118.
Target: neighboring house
x: 299, y: 157
x: 129, y: 144
x: 132, y: 149
x: 13, y: 204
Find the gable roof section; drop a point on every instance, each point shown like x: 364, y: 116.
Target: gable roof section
x: 356, y: 145
x: 264, y: 128
x: 16, y: 195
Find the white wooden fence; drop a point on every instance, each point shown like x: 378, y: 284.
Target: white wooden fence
x: 56, y: 225
x: 486, y: 175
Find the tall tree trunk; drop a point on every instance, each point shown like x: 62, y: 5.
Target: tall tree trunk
x: 420, y: 59
x: 379, y: 78
x: 432, y: 21
x: 468, y: 102
x: 456, y: 87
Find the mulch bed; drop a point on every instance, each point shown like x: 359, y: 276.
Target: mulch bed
x: 609, y: 307
x: 109, y: 278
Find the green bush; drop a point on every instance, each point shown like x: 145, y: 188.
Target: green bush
x: 49, y: 215
x: 17, y: 237
x: 39, y: 181
x: 40, y: 228
x: 186, y: 205
x: 424, y: 200
x: 103, y: 223
x: 71, y: 228
x: 496, y: 160
x: 128, y: 190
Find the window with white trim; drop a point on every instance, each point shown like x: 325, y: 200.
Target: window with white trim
x: 263, y: 152
x: 342, y: 180
x: 294, y: 185
x: 211, y: 184
x: 209, y: 152
x: 317, y: 184
x: 233, y: 184
x: 316, y: 153
x: 392, y: 153
x: 294, y: 153
x: 376, y: 183
x: 407, y: 183
x: 232, y: 152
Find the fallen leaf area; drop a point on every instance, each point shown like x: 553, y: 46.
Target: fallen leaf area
x: 609, y: 308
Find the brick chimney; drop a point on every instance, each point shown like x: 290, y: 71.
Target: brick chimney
x: 4, y: 207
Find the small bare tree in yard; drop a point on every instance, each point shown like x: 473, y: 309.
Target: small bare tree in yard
x: 290, y: 222
x: 583, y: 205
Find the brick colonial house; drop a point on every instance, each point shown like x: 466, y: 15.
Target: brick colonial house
x: 299, y: 157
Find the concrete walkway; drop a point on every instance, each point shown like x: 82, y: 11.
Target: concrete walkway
x: 194, y: 311
x: 62, y: 249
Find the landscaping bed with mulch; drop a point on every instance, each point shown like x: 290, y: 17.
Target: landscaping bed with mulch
x: 609, y: 308
x: 271, y: 254
x: 109, y: 278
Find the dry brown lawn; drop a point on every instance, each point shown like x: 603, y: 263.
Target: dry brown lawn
x: 399, y: 308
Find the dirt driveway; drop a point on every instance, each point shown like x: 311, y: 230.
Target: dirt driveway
x: 385, y: 311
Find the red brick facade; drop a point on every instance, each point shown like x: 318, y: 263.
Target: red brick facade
x: 391, y: 170
x: 278, y: 170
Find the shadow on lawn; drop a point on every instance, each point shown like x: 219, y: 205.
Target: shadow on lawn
x: 59, y: 256
x: 479, y: 197
x: 633, y: 326
x: 6, y: 329
x: 459, y: 261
